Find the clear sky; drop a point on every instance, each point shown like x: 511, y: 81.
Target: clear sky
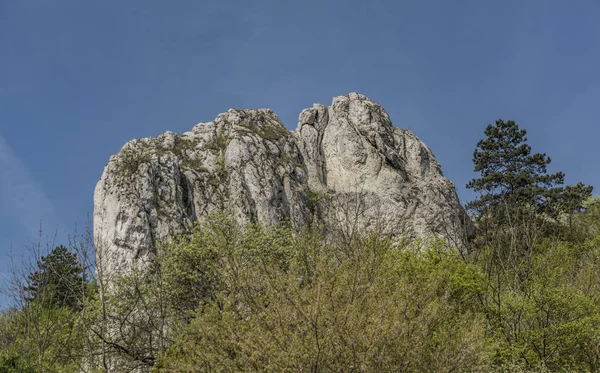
x: 79, y: 78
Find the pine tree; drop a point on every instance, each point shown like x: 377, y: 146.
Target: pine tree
x: 510, y: 173
x: 58, y: 279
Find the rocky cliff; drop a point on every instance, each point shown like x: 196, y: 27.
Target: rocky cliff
x: 345, y: 167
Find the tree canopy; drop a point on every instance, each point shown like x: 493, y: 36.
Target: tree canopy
x: 509, y: 171
x: 57, y: 278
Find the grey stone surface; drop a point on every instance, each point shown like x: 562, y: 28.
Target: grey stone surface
x: 346, y: 166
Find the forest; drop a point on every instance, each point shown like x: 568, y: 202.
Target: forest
x: 521, y: 295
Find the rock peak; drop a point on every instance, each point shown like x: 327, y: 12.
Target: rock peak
x: 344, y: 157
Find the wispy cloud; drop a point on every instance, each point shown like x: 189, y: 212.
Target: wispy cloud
x: 22, y: 199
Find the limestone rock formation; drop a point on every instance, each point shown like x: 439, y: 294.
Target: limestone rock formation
x: 382, y: 173
x: 346, y: 166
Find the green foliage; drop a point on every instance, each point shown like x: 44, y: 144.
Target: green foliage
x: 549, y: 319
x: 132, y: 156
x: 231, y: 298
x: 57, y: 279
x: 131, y: 321
x: 45, y: 338
x: 523, y: 298
x: 573, y: 201
x: 181, y: 147
x: 541, y: 294
x: 267, y: 131
x: 587, y: 224
x: 129, y: 160
x: 315, y: 201
x: 189, y: 264
x: 220, y: 172
x: 575, y: 196
x: 286, y: 302
x: 286, y: 161
x: 14, y: 364
x: 509, y: 172
x: 218, y: 180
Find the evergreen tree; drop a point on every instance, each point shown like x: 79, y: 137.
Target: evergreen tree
x: 58, y: 279
x: 509, y: 172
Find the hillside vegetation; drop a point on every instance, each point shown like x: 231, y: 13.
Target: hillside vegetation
x: 522, y: 296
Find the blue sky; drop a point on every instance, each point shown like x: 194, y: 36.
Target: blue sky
x: 80, y: 78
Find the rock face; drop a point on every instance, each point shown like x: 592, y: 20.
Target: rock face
x: 346, y: 167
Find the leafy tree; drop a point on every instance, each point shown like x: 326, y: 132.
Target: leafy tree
x: 509, y: 172
x: 550, y: 322
x: 57, y: 280
x: 296, y: 302
x: 44, y: 338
